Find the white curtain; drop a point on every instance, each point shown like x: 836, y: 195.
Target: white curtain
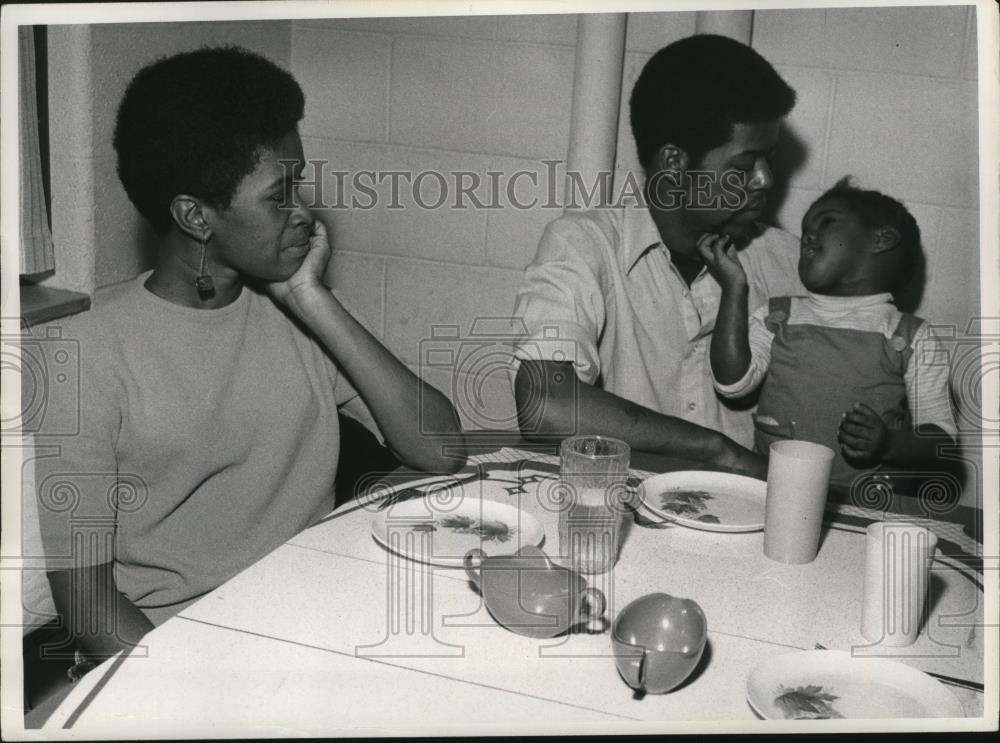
x: 36, y: 238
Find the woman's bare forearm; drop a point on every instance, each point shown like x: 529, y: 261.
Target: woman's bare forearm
x: 419, y: 423
x: 98, y: 616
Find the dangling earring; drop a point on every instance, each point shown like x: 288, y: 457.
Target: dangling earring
x: 204, y: 283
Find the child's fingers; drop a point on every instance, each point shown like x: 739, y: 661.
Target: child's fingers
x: 855, y: 453
x: 704, y: 246
x: 859, y: 420
x: 855, y: 425
x: 722, y: 243
x: 711, y: 240
x: 860, y: 407
x: 855, y: 429
x: 854, y: 442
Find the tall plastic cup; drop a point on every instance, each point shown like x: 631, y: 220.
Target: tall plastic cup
x: 798, y: 477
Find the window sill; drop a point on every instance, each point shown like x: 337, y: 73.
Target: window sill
x: 42, y: 303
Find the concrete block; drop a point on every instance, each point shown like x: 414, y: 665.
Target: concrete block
x: 953, y: 290
x: 496, y: 99
x: 538, y: 29
x: 345, y: 77
x: 916, y: 136
x: 422, y: 296
x: 908, y: 40
x: 467, y: 26
x: 361, y: 280
x: 512, y: 232
x: 650, y: 32
x: 409, y: 225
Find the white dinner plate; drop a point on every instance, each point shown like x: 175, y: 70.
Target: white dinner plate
x: 441, y: 532
x: 713, y: 501
x: 825, y: 684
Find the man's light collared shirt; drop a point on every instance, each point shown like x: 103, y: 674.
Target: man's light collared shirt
x: 603, y: 293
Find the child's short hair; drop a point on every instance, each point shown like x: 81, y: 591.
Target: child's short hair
x: 876, y: 209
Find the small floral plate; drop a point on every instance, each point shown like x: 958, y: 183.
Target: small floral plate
x: 711, y: 501
x: 832, y: 684
x: 441, y: 532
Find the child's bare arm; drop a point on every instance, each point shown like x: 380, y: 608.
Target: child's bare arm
x: 730, y: 349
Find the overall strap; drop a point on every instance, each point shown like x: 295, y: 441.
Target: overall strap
x: 778, y: 309
x: 903, y: 335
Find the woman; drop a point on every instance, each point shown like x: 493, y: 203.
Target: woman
x: 210, y: 386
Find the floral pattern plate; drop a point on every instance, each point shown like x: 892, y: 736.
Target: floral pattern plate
x: 712, y: 501
x: 441, y: 532
x: 831, y: 684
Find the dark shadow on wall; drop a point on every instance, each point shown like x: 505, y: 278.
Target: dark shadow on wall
x: 909, y: 296
x: 147, y: 242
x: 788, y: 158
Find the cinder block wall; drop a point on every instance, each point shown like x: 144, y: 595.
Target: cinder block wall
x: 888, y: 95
x: 474, y: 94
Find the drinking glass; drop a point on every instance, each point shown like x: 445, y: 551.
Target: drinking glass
x: 593, y: 471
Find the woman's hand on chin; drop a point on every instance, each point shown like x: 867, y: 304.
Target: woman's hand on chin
x: 307, y: 281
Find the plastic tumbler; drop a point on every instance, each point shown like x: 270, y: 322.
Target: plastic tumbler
x: 898, y: 557
x: 798, y: 476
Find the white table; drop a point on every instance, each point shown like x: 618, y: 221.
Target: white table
x: 301, y: 642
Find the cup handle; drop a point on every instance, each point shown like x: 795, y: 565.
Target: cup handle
x: 635, y: 670
x: 594, y: 601
x: 472, y: 570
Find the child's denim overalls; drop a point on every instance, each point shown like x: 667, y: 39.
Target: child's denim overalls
x: 817, y: 373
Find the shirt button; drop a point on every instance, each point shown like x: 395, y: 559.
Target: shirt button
x: 691, y: 406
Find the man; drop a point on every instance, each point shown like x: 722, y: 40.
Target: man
x: 618, y: 305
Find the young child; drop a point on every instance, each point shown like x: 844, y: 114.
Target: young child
x: 840, y: 366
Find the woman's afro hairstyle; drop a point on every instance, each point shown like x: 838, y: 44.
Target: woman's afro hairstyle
x: 195, y: 123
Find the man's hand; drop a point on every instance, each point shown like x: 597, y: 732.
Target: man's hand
x: 743, y: 461
x: 862, y: 434
x: 719, y: 254
x: 309, y: 277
